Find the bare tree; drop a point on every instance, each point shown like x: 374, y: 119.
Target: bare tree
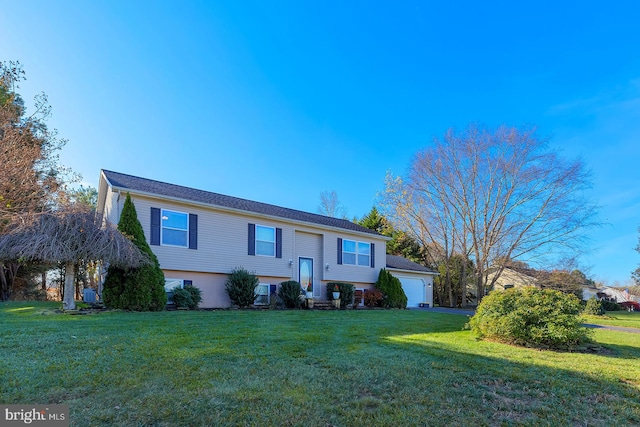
x: 69, y: 235
x: 330, y: 205
x: 494, y: 194
x: 31, y: 180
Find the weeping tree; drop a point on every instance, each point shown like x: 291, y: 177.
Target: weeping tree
x: 69, y: 235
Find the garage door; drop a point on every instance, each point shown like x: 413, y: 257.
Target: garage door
x: 414, y: 289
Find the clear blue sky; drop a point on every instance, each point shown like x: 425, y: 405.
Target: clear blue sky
x: 278, y: 101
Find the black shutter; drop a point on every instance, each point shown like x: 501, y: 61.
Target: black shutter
x: 273, y: 289
x: 186, y: 283
x: 278, y: 242
x: 193, y: 231
x: 252, y: 239
x: 155, y: 226
x: 339, y: 250
x: 373, y: 255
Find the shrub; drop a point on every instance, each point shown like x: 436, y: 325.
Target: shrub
x: 140, y: 289
x: 289, y: 293
x: 372, y: 297
x: 241, y: 287
x: 530, y: 317
x: 593, y: 307
x: 346, y: 292
x: 611, y: 306
x: 391, y: 288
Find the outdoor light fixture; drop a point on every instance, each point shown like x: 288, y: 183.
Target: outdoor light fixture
x: 290, y: 262
x: 327, y: 266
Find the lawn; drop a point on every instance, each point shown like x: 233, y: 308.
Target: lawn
x: 306, y: 368
x: 617, y: 318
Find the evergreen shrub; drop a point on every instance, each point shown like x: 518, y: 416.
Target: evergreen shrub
x: 593, y: 307
x: 530, y: 317
x: 290, y: 293
x: 187, y: 297
x: 241, y: 286
x: 139, y: 289
x: 393, y: 295
x: 611, y: 306
x: 346, y: 292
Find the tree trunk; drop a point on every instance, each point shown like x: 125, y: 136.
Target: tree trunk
x: 44, y: 281
x: 463, y: 283
x: 68, y: 302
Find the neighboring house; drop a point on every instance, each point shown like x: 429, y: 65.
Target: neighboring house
x: 511, y: 279
x: 200, y: 236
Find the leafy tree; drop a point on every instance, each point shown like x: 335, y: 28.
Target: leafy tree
x: 493, y: 194
x: 141, y: 288
x: 401, y: 243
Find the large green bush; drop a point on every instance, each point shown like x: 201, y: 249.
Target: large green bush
x: 289, y: 293
x: 241, y: 286
x: 530, y: 317
x: 392, y: 292
x: 611, y: 306
x: 346, y: 292
x: 139, y: 289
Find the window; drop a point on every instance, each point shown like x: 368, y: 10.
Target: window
x: 171, y: 284
x: 356, y: 253
x: 175, y: 228
x: 262, y: 290
x: 265, y: 240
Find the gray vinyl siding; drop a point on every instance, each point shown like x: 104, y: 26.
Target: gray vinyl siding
x: 222, y: 243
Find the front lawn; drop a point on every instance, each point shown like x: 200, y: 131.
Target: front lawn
x: 306, y: 368
x: 617, y: 318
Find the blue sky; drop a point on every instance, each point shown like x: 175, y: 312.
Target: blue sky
x: 278, y: 101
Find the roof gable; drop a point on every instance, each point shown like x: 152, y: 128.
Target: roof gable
x: 163, y: 189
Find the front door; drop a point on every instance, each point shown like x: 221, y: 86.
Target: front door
x: 305, y: 274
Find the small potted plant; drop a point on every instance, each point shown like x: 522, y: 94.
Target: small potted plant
x: 309, y: 291
x: 336, y: 292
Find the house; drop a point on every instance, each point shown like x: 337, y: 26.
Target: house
x: 199, y: 237
x: 510, y: 279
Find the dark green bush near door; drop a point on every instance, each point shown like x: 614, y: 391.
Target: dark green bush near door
x: 346, y: 292
x: 393, y: 295
x: 290, y: 293
x: 530, y: 317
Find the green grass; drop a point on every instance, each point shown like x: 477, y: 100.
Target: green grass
x: 305, y: 368
x: 617, y: 318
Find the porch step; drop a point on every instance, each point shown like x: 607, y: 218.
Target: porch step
x: 323, y: 305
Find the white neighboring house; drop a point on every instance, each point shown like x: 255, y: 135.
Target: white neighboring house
x: 199, y: 237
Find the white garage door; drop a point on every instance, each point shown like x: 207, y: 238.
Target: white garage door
x: 414, y: 289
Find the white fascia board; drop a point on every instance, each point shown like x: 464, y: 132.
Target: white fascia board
x: 402, y: 270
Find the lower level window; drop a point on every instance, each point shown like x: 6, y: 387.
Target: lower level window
x: 263, y: 294
x: 171, y: 284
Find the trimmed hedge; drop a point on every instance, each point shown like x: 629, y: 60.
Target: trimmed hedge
x: 346, y: 292
x: 530, y: 317
x: 290, y: 293
x: 391, y: 288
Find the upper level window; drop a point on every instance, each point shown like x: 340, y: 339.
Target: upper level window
x: 265, y: 240
x: 175, y: 228
x: 356, y: 253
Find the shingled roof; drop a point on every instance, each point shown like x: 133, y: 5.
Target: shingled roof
x: 394, y: 261
x: 136, y: 184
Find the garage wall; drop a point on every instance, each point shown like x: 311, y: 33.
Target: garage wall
x: 418, y: 287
